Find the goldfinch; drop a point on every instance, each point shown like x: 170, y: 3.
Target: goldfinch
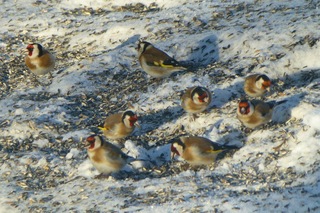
x: 196, y: 99
x: 39, y: 60
x: 197, y: 150
x: 155, y: 62
x: 120, y: 125
x: 256, y: 85
x: 255, y: 113
x: 106, y: 157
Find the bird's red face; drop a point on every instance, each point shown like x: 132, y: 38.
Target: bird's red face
x: 174, y: 151
x: 133, y: 119
x: 202, y: 97
x: 91, y: 141
x: 266, y: 84
x: 244, y: 107
x: 30, y: 48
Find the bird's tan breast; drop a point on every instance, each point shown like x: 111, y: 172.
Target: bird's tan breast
x: 98, y: 156
x: 124, y: 130
x: 154, y: 70
x: 104, y: 162
x: 40, y: 65
x: 196, y: 156
x: 29, y: 64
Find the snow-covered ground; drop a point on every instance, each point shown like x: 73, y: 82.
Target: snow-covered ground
x: 43, y: 163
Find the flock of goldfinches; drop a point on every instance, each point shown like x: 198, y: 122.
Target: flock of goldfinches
x: 107, y: 157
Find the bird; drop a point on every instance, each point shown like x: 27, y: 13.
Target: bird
x: 106, y: 157
x: 256, y: 85
x: 198, y: 150
x: 196, y: 99
x: 255, y: 113
x: 155, y: 62
x: 120, y: 125
x: 39, y: 60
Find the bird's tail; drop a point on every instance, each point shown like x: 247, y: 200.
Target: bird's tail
x: 222, y: 147
x: 273, y: 104
x: 130, y: 159
x: 281, y: 102
x: 229, y: 147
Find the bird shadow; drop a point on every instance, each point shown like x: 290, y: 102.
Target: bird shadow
x: 283, y: 112
x: 131, y: 41
x: 296, y: 80
x: 155, y: 120
x: 281, y: 85
x: 224, y: 96
x: 206, y: 52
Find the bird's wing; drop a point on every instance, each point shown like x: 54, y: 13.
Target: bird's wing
x: 113, y: 152
x: 261, y: 107
x: 157, y: 57
x: 187, y: 94
x: 203, y: 144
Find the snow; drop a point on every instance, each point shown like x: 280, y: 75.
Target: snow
x: 43, y: 161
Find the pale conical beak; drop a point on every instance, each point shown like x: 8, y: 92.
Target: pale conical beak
x: 86, y: 144
x: 268, y: 89
x: 243, y: 110
x: 137, y: 124
x: 24, y: 50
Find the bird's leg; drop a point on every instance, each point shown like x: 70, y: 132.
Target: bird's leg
x: 102, y: 176
x: 193, y: 117
x: 246, y: 130
x: 35, y: 79
x: 206, y: 111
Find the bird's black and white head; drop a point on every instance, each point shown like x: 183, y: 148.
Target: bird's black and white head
x: 177, y: 147
x: 200, y: 95
x: 34, y: 50
x: 130, y: 119
x: 94, y: 142
x: 263, y: 82
x: 142, y: 46
x: 245, y: 107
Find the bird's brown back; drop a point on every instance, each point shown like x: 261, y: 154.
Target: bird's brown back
x: 46, y: 59
x: 261, y: 107
x: 250, y: 83
x: 111, y: 120
x: 155, y: 55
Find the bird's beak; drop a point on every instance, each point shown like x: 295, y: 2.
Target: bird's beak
x: 268, y: 89
x: 24, y: 50
x: 243, y: 110
x: 102, y: 128
x: 137, y: 124
x: 86, y: 144
x: 172, y: 155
